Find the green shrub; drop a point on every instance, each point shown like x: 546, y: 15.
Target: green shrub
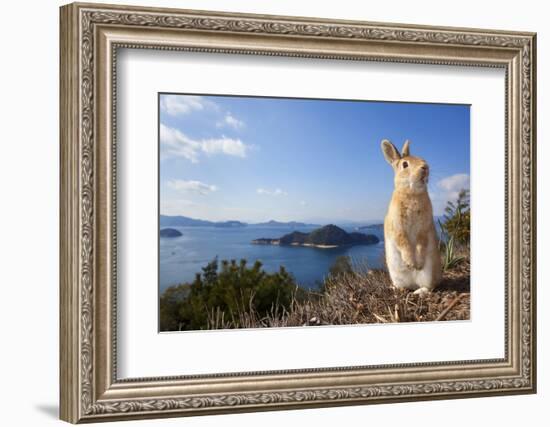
x: 457, y: 218
x: 228, y: 287
x: 455, y: 230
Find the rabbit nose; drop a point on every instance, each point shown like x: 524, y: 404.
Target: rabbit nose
x: 424, y: 167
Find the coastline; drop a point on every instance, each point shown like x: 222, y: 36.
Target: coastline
x: 308, y: 245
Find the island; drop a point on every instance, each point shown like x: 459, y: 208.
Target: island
x: 170, y: 232
x: 329, y: 236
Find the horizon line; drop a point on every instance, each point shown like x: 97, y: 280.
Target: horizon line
x: 312, y: 222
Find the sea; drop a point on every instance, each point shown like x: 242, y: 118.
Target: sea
x: 181, y: 258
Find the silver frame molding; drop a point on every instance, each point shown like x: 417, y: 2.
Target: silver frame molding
x: 90, y: 37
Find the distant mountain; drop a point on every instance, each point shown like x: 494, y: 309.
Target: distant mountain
x: 289, y: 224
x: 184, y: 221
x: 329, y: 236
x: 170, y: 232
x: 230, y: 224
x: 371, y: 227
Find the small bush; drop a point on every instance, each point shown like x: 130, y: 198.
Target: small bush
x: 232, y: 289
x: 455, y: 230
x: 457, y: 219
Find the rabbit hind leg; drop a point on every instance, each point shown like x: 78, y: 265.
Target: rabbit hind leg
x: 425, y: 278
x: 402, y: 277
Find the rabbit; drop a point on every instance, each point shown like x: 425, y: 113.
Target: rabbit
x: 411, y: 243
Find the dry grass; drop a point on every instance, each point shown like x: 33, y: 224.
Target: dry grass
x: 364, y: 297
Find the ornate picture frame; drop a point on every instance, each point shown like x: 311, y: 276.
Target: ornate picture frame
x: 90, y: 37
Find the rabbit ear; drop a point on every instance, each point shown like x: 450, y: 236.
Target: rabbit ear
x: 405, y: 151
x: 390, y: 152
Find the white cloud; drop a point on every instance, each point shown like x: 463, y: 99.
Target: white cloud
x: 176, y: 143
x: 447, y: 189
x: 276, y: 192
x: 224, y: 145
x: 179, y: 105
x: 230, y: 121
x: 191, y: 186
x: 303, y: 203
x: 455, y: 182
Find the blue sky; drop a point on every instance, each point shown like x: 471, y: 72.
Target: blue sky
x: 255, y: 159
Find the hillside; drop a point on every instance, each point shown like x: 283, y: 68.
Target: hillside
x: 358, y: 296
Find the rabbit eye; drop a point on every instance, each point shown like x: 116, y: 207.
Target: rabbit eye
x: 405, y: 165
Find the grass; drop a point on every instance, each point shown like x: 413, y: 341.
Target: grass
x: 451, y: 256
x: 365, y: 296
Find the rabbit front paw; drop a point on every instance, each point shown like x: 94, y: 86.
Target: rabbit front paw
x: 418, y: 265
x: 409, y: 261
x: 412, y: 263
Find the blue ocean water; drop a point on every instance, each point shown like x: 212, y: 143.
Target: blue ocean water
x: 182, y: 257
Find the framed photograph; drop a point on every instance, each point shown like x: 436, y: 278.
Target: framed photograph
x: 266, y: 212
